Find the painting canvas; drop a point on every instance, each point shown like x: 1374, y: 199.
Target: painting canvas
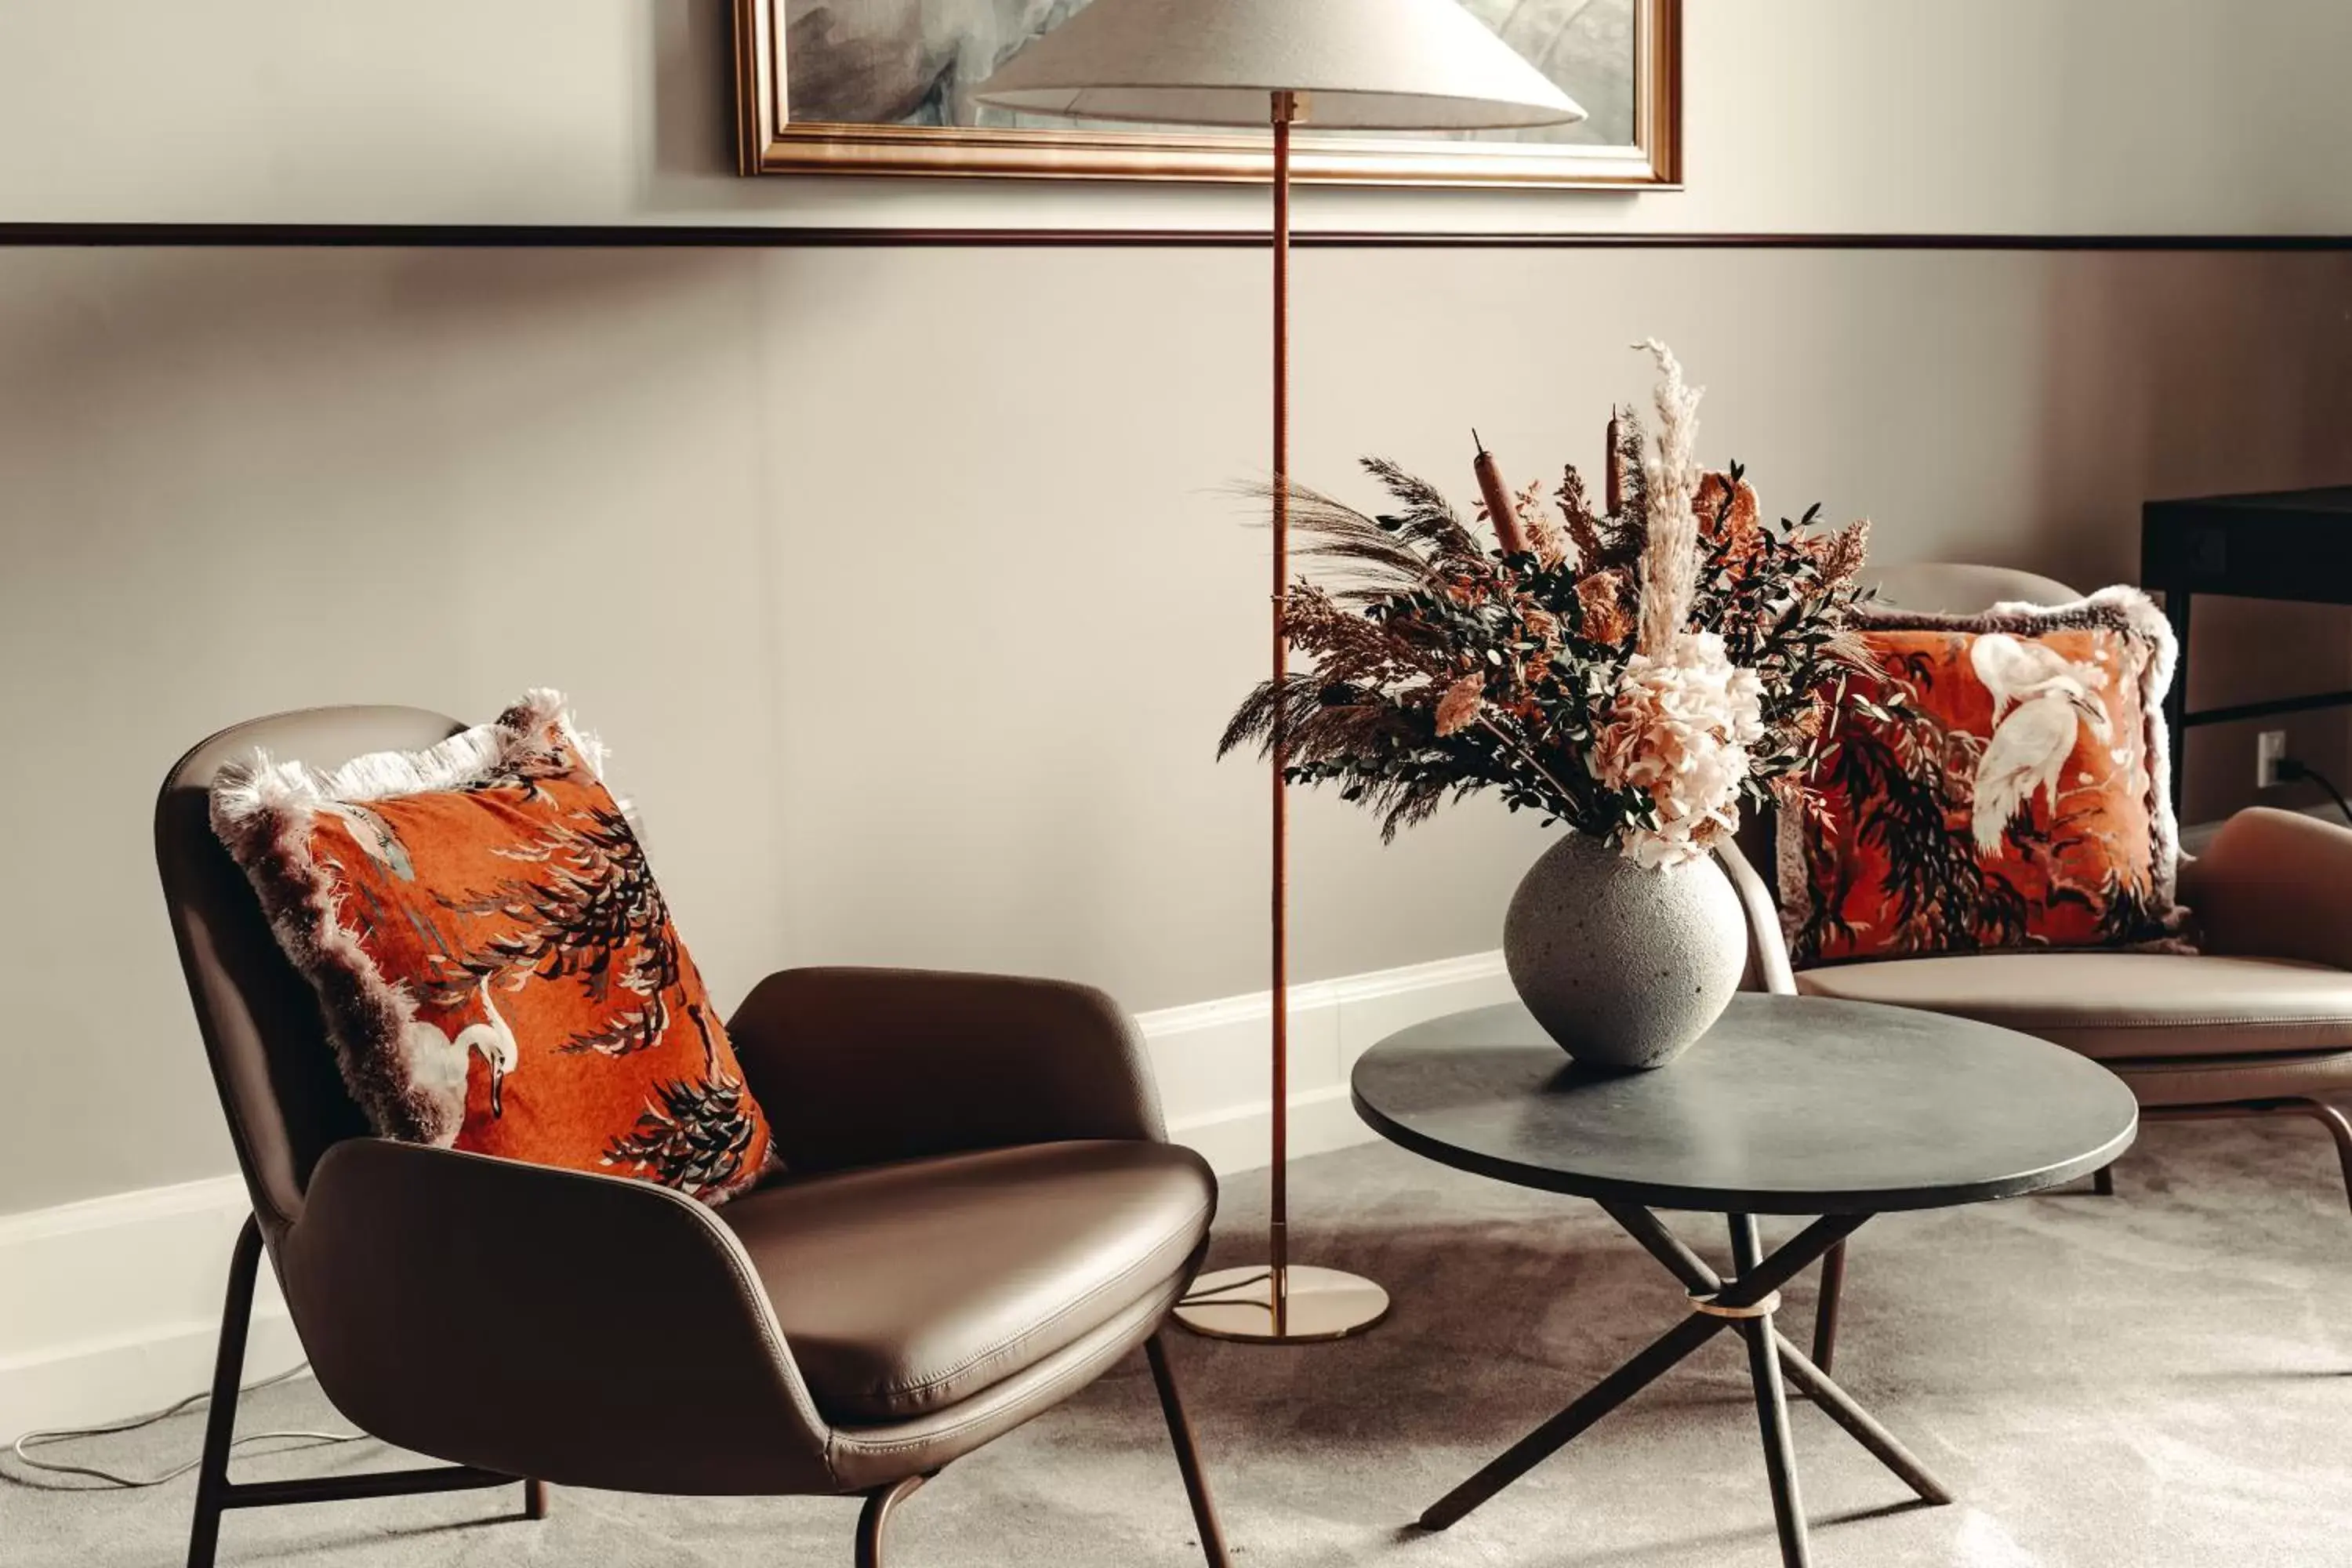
x: 888, y: 86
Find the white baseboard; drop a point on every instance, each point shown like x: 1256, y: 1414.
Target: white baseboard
x: 1213, y: 1066
x: 111, y: 1307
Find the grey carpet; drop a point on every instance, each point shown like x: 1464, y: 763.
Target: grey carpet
x: 2157, y: 1379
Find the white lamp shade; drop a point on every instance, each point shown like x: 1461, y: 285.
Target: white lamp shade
x: 1390, y: 64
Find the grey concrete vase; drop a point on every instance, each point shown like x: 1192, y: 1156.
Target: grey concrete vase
x: 1623, y: 965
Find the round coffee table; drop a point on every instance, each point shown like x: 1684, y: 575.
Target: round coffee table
x: 1789, y: 1105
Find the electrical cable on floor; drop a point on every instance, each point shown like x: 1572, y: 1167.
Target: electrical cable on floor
x: 31, y: 1440
x: 1223, y: 1295
x: 2290, y: 768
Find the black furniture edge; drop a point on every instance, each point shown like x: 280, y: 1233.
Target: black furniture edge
x: 2284, y: 545
x: 1706, y: 1200
x: 447, y: 236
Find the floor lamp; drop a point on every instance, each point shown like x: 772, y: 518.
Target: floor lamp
x: 1384, y: 65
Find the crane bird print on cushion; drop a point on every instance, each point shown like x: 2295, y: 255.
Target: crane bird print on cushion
x: 497, y: 968
x: 1998, y: 784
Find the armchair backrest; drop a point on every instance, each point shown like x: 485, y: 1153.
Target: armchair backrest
x: 1948, y: 587
x: 279, y: 1083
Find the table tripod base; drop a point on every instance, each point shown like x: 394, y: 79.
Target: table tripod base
x: 1743, y: 1303
x: 1318, y: 1304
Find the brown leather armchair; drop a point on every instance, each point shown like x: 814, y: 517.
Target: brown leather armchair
x: 981, y: 1215
x: 2258, y: 1021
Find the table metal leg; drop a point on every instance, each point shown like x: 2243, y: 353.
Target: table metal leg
x: 1555, y: 1434
x: 1668, y: 1248
x: 1771, y: 1404
x: 1838, y: 1405
x: 1745, y: 1301
x: 1825, y: 1311
x: 1808, y: 1377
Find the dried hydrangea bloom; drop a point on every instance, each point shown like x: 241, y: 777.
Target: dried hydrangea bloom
x: 1678, y: 731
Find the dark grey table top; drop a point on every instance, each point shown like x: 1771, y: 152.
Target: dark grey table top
x: 1789, y: 1105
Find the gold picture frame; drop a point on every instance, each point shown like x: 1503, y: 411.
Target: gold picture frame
x: 773, y: 143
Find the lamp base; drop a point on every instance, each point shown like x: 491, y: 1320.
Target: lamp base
x: 1317, y: 1304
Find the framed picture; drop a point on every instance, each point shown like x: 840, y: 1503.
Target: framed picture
x: 885, y: 87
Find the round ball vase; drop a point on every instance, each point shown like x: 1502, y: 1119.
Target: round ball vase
x: 1623, y: 965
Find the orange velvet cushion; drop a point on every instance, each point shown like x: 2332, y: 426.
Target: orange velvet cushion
x: 2009, y: 792
x: 497, y: 969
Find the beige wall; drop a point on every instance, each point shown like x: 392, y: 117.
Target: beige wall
x: 900, y: 581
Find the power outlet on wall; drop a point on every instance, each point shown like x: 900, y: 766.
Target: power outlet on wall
x: 2268, y: 747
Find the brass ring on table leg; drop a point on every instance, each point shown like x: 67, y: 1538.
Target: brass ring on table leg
x: 1713, y: 1307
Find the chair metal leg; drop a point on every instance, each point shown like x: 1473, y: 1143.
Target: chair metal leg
x: 875, y: 1517
x: 2327, y: 1114
x: 1825, y: 1311
x: 2339, y: 1127
x: 876, y: 1514
x: 1188, y: 1457
x: 216, y: 1494
x: 220, y: 1415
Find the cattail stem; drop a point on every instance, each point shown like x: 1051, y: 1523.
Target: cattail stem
x: 1616, y: 464
x: 1500, y: 512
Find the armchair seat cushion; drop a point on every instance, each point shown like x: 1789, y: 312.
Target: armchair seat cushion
x: 906, y: 1287
x: 2120, y: 1007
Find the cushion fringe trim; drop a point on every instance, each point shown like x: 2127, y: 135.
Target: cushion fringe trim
x: 264, y: 812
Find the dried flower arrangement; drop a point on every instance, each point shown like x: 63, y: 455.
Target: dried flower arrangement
x: 1638, y: 671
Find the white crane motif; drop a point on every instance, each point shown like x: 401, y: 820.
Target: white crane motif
x: 2028, y: 752
x: 492, y: 1038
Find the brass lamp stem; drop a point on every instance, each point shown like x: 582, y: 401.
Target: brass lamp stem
x: 1281, y: 1303
x: 1285, y: 110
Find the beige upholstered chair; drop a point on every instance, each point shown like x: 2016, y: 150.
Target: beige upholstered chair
x: 980, y: 1216
x: 2259, y: 1022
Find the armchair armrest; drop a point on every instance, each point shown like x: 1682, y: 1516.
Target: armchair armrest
x: 2274, y: 884
x: 856, y: 1067
x: 1768, y: 951
x: 545, y: 1322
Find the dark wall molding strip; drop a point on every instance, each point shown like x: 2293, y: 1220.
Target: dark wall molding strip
x: 783, y: 236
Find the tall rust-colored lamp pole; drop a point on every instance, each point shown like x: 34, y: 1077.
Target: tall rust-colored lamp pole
x: 1389, y: 65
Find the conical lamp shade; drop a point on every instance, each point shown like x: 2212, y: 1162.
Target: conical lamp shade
x: 1391, y: 65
